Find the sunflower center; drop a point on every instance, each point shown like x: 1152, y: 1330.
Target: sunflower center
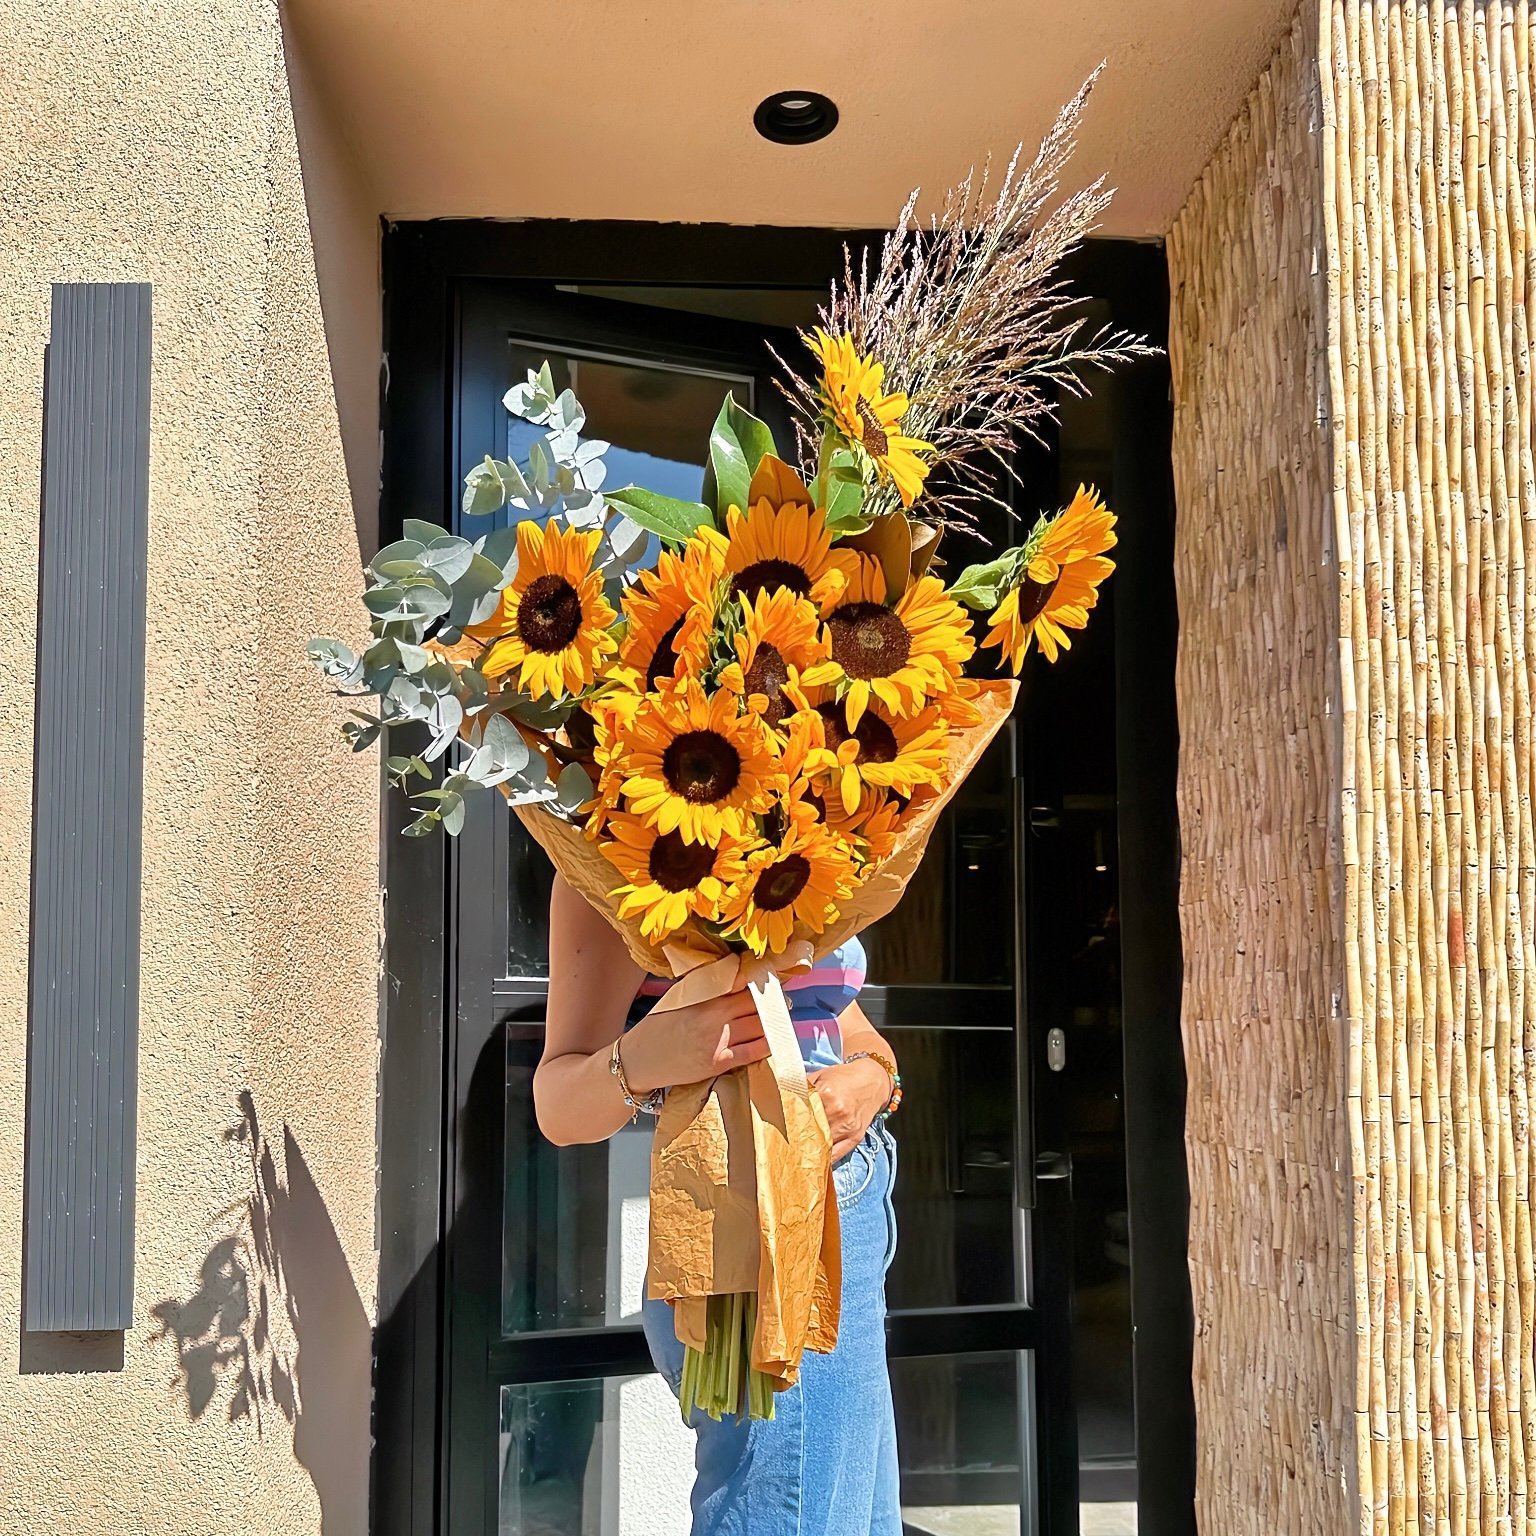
x: 767, y: 675
x: 780, y: 885
x: 664, y: 661
x: 679, y: 866
x: 701, y: 767
x: 768, y: 576
x: 1033, y: 596
x: 876, y: 443
x: 877, y: 741
x: 549, y: 616
x: 868, y: 640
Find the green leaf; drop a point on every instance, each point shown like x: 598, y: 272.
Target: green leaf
x: 448, y: 557
x: 422, y: 532
x: 665, y: 516
x: 983, y: 587
x: 737, y: 443
x: 423, y: 825
x: 573, y: 788
x: 845, y: 498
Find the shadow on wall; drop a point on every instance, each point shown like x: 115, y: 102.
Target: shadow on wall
x: 276, y: 1325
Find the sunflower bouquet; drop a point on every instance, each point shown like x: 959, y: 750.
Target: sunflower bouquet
x: 733, y: 722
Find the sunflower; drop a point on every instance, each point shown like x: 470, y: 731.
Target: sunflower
x: 885, y: 751
x: 855, y: 403
x: 784, y: 545
x: 795, y: 886
x: 667, y: 879
x: 692, y: 764
x: 779, y: 637
x: 611, y: 713
x: 554, y: 620
x: 670, y: 610
x: 806, y: 765
x: 1060, y: 585
x: 876, y: 824
x: 901, y: 656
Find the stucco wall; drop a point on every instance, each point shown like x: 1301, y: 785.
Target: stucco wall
x: 1258, y: 693
x: 157, y: 142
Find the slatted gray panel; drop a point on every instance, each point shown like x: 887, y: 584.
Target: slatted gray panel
x: 83, y: 1057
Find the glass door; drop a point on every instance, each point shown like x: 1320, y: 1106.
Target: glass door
x: 554, y: 1422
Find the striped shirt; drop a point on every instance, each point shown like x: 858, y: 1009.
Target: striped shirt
x: 816, y: 997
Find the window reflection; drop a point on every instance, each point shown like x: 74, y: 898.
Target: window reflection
x: 611, y: 1455
x: 575, y: 1219
x: 954, y: 1188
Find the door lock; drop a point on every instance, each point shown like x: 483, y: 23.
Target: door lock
x: 1056, y: 1050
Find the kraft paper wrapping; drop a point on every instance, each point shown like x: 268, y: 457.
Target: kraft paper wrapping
x: 741, y: 1186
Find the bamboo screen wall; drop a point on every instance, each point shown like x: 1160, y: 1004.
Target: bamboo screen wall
x: 1262, y: 921
x: 1356, y: 677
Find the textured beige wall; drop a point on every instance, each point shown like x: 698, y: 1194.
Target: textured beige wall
x: 1258, y: 690
x: 156, y: 142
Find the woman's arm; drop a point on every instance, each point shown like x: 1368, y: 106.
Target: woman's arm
x: 592, y: 983
x: 855, y: 1092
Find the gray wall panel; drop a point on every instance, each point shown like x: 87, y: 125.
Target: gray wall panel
x: 88, y: 766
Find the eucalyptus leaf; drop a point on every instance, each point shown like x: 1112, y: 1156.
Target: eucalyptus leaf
x: 422, y: 826
x: 413, y: 657
x: 665, y: 516
x: 422, y: 532
x: 504, y: 742
x: 573, y: 788
x: 333, y: 658
x: 453, y: 817
x: 448, y: 558
x: 499, y: 546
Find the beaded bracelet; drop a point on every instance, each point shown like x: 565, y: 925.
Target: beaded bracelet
x: 893, y: 1103
x: 648, y: 1103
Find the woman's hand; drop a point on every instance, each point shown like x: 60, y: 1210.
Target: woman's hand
x: 693, y: 1044
x: 852, y: 1094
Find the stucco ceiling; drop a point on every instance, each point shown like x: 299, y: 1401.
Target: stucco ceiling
x: 642, y: 109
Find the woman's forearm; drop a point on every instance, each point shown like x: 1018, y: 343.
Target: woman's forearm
x: 578, y: 1099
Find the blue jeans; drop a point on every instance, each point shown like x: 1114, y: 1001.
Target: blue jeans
x: 825, y: 1464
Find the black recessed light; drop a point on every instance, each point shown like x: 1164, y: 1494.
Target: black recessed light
x: 795, y: 117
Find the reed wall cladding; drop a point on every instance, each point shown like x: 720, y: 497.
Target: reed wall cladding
x: 1357, y: 666
x: 1258, y: 682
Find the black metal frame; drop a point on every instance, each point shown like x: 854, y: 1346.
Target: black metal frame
x: 424, y: 267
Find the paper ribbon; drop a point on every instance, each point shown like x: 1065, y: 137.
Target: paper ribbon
x: 741, y: 1192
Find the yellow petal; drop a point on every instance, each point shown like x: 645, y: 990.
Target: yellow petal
x: 850, y: 790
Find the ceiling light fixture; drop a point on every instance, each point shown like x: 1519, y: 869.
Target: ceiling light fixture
x: 795, y: 117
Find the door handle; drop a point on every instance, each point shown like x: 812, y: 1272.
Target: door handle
x: 1053, y: 1165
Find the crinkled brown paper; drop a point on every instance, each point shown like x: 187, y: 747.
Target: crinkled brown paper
x: 741, y: 1182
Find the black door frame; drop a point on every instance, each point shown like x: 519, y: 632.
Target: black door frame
x: 423, y: 264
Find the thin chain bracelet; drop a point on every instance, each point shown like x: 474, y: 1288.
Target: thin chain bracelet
x: 648, y: 1104
x: 893, y: 1103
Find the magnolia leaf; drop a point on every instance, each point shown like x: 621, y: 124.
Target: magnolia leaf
x: 774, y: 480
x: 738, y: 442
x: 889, y: 539
x: 665, y: 516
x: 845, y: 501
